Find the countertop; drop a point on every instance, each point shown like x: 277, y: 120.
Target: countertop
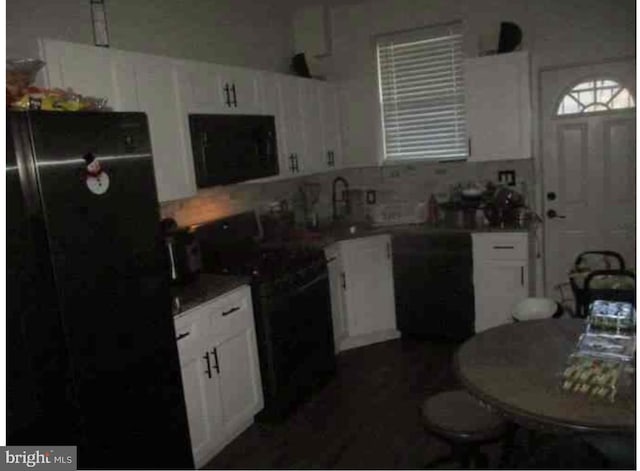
x: 342, y: 231
x: 206, y: 287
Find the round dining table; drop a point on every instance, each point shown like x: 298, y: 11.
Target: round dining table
x: 516, y: 369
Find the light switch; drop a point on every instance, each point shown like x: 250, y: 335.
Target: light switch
x: 507, y: 177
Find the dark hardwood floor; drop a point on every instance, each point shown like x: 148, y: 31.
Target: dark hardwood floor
x: 366, y: 418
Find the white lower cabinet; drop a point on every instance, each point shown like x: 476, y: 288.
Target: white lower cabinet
x: 500, y: 276
x: 220, y: 371
x: 362, y: 294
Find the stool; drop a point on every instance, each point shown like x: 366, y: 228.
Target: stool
x: 536, y: 308
x: 461, y: 421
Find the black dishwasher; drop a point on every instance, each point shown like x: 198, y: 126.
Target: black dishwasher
x: 433, y: 278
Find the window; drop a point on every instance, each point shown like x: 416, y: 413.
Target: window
x: 595, y: 95
x: 422, y: 94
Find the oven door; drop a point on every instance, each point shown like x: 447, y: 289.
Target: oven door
x: 296, y: 343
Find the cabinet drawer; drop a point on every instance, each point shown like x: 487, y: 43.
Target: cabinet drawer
x: 231, y: 313
x: 490, y: 246
x: 191, y: 332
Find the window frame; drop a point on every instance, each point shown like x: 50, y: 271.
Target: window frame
x: 433, y: 31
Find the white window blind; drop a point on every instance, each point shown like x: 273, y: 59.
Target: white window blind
x: 422, y: 94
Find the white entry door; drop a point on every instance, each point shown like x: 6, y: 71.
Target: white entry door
x: 588, y: 166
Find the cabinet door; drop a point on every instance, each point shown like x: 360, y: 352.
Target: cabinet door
x: 156, y: 87
x: 200, y: 383
x: 368, y: 286
x: 85, y: 69
x: 240, y: 385
x: 334, y: 266
x: 330, y: 120
x: 498, y: 286
x: 200, y: 88
x: 123, y: 71
x: 313, y: 149
x: 290, y: 98
x: 244, y: 89
x: 204, y: 407
x: 498, y: 106
x: 272, y: 105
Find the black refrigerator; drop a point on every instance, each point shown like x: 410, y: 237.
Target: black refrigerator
x: 91, y: 354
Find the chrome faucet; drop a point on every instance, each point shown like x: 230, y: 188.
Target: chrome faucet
x: 344, y: 199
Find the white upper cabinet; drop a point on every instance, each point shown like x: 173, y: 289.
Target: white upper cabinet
x: 498, y: 107
x: 157, y: 91
x: 313, y: 149
x: 290, y: 95
x: 330, y: 122
x: 217, y: 89
x: 85, y: 69
x: 168, y: 90
x: 244, y: 89
x: 272, y: 105
x: 131, y: 82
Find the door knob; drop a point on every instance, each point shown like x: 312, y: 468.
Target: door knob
x: 551, y: 214
x: 551, y: 196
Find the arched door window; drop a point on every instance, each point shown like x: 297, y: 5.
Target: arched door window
x: 595, y: 95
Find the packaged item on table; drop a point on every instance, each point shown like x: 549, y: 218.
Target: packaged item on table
x: 594, y: 377
x: 611, y: 317
x: 607, y: 346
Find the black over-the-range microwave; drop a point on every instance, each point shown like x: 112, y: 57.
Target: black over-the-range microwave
x: 232, y: 148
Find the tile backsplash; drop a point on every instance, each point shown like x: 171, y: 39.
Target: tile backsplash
x: 413, y: 182
x: 216, y: 202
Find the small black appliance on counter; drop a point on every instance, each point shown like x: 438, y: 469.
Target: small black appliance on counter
x: 291, y: 303
x: 183, y: 253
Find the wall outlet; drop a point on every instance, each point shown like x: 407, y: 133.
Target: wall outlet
x: 371, y: 196
x: 507, y: 177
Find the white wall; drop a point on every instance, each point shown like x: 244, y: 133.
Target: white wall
x: 251, y: 33
x: 556, y: 32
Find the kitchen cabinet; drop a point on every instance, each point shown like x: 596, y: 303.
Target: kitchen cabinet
x: 313, y: 148
x: 218, y: 89
x: 156, y: 85
x: 290, y: 95
x: 307, y: 123
x: 85, y: 69
x: 500, y: 276
x: 220, y: 371
x: 131, y: 82
x: 277, y: 103
x: 331, y: 157
x: 498, y: 107
x: 168, y: 90
x: 362, y: 291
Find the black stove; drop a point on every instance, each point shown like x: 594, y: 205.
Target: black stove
x: 291, y: 303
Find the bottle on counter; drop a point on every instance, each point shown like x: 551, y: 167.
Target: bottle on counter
x: 433, y: 211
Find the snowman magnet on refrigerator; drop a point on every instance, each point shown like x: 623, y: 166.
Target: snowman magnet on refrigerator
x: 96, y: 178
